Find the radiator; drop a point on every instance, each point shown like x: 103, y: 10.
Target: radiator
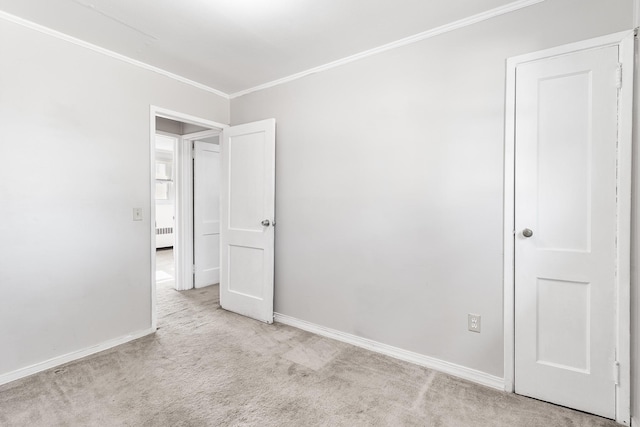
x: 164, y: 230
x: 164, y: 237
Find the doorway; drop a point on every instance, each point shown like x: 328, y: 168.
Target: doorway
x: 204, y: 180
x: 567, y: 225
x: 165, y: 203
x: 173, y: 258
x: 240, y: 221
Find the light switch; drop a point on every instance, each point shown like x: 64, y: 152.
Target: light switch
x: 137, y: 214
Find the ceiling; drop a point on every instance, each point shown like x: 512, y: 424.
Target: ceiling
x: 234, y: 45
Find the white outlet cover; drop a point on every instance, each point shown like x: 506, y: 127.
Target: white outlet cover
x: 474, y: 322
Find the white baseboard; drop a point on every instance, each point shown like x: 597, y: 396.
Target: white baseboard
x: 398, y: 353
x: 70, y: 357
x: 635, y: 422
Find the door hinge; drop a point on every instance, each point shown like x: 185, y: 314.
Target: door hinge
x: 616, y: 372
x: 619, y: 76
x: 193, y: 269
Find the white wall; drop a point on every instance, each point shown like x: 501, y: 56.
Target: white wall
x: 74, y: 267
x: 389, y: 191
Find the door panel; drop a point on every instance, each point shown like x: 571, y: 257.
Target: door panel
x: 565, y: 193
x: 564, y: 164
x: 206, y: 213
x: 246, y: 266
x: 248, y: 200
x: 246, y: 182
x: 561, y: 302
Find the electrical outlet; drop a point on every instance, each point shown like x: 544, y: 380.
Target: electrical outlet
x: 137, y: 214
x: 473, y: 322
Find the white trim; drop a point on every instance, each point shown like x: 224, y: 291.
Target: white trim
x: 635, y: 243
x: 625, y: 186
x: 185, y: 118
x: 636, y: 13
x: 508, y: 231
x: 57, y: 34
x: 70, y: 357
x: 202, y: 134
x: 152, y: 214
x: 479, y: 17
x: 464, y: 22
x: 183, y: 249
x: 595, y: 43
x: 395, y: 352
x: 183, y: 253
x: 625, y: 40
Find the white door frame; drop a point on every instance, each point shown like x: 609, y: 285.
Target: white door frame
x: 625, y: 41
x: 184, y: 219
x: 184, y: 257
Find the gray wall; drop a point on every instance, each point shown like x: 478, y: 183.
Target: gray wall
x: 169, y: 126
x: 390, y: 183
x: 389, y: 191
x: 74, y: 267
x: 176, y: 128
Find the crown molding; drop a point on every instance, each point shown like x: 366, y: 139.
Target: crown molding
x: 57, y: 34
x: 465, y: 22
x: 461, y: 23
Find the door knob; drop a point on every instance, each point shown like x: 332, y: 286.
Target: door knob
x: 527, y: 232
x: 266, y: 222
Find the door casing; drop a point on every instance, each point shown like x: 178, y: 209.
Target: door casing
x: 625, y: 41
x: 204, y: 274
x: 184, y: 253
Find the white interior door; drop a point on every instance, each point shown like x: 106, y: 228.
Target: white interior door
x: 565, y: 230
x: 247, y: 227
x: 206, y: 213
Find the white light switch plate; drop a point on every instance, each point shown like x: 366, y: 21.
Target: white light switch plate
x: 137, y: 214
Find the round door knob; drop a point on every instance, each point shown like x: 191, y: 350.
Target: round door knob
x: 527, y: 232
x: 266, y: 222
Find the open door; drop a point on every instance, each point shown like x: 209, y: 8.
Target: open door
x: 247, y: 219
x: 206, y: 213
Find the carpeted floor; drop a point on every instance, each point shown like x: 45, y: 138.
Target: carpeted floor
x: 209, y: 367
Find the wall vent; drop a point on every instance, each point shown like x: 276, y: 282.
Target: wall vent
x: 164, y: 230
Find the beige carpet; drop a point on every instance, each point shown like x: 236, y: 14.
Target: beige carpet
x: 209, y: 367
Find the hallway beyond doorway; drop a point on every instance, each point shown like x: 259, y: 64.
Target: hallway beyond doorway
x: 165, y: 269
